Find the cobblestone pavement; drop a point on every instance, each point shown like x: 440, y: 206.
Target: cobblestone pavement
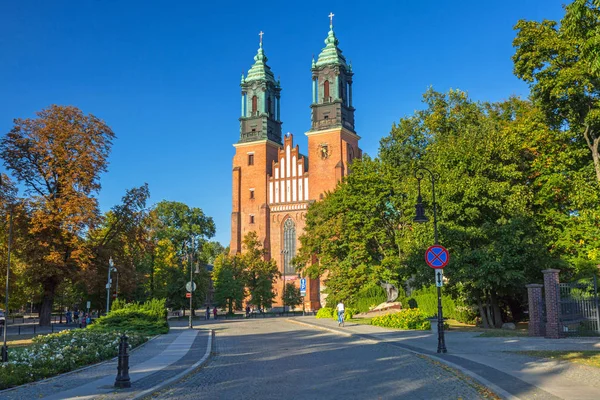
x: 275, y: 359
x: 493, y: 359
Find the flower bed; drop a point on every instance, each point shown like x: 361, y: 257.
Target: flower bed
x: 60, y: 352
x: 411, y: 318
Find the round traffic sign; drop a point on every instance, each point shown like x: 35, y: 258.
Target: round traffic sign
x: 437, y: 256
x: 190, y: 286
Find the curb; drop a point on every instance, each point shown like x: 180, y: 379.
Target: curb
x: 162, y: 385
x: 495, y: 388
x: 76, y: 370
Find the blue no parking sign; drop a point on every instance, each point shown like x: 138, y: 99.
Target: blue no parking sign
x: 437, y: 256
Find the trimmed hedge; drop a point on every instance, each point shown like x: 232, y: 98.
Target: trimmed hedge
x: 410, y: 318
x: 426, y: 300
x: 149, y: 318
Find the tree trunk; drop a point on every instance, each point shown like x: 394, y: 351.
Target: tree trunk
x: 488, y: 310
x: 152, y: 276
x: 515, y: 309
x: 496, y: 308
x: 49, y: 288
x: 484, y: 319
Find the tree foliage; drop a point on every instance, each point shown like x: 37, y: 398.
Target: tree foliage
x: 561, y: 64
x: 58, y: 157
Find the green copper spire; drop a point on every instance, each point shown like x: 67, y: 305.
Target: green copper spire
x: 260, y: 71
x: 331, y: 54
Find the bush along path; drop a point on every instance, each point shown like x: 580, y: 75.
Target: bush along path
x: 54, y: 354
x: 62, y: 352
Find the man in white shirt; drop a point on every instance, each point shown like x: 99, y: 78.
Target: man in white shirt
x: 340, y: 311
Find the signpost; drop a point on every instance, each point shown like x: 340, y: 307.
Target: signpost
x: 437, y: 256
x: 303, y: 291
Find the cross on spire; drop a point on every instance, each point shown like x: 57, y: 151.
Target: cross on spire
x: 261, y: 33
x: 331, y: 15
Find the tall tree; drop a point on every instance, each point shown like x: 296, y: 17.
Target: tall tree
x: 228, y: 282
x: 561, y: 64
x: 188, y: 230
x: 353, y: 231
x: 58, y: 157
x: 259, y: 273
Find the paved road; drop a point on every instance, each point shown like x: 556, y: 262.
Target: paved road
x: 275, y: 359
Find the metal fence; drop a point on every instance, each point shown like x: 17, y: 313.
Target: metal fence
x: 579, y: 310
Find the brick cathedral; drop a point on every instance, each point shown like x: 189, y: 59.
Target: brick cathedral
x: 272, y: 182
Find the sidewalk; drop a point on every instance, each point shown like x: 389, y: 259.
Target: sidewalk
x: 156, y: 363
x: 519, y: 376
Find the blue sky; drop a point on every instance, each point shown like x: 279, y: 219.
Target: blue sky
x: 165, y: 75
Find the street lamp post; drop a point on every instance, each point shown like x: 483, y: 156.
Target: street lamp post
x: 283, y: 259
x: 111, y: 267
x: 421, y: 217
x: 191, y: 326
x: 10, y: 226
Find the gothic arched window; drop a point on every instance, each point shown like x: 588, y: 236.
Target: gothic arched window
x: 326, y: 91
x: 289, y: 245
x: 254, y: 104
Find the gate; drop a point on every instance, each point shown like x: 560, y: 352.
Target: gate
x: 579, y: 311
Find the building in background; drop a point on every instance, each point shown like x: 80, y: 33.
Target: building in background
x: 272, y: 182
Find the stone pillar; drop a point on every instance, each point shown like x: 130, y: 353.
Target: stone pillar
x: 552, y: 303
x: 534, y: 293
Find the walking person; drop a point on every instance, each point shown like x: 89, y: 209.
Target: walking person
x: 340, y: 310
x: 215, y: 312
x: 207, y: 313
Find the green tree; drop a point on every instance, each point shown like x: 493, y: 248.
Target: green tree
x: 561, y: 64
x: 354, y: 231
x: 188, y: 230
x: 228, y: 282
x: 292, y: 296
x: 259, y: 273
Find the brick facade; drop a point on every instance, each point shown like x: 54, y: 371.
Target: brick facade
x: 536, y: 323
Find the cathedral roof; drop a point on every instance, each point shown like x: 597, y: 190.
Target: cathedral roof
x: 331, y: 53
x: 260, y: 71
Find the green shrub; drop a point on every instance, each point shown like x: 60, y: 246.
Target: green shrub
x: 410, y: 318
x: 349, y: 312
x: 426, y: 300
x: 326, y: 312
x: 368, y: 297
x: 149, y: 318
x: 372, y: 295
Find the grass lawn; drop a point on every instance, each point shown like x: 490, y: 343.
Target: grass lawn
x: 590, y: 357
x: 503, y: 333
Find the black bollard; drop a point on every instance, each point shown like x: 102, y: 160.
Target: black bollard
x: 123, y: 380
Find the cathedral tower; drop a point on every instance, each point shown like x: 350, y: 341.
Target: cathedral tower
x: 255, y: 152
x: 332, y: 140
x: 273, y: 186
